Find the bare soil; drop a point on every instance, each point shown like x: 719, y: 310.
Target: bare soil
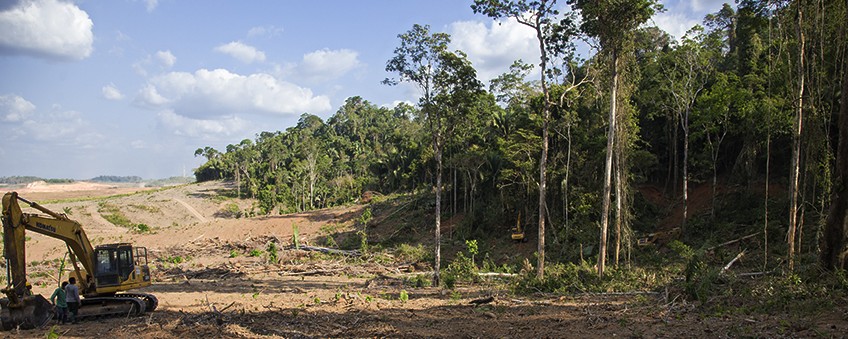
x: 205, y: 291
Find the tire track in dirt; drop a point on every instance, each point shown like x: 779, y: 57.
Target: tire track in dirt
x: 191, y: 210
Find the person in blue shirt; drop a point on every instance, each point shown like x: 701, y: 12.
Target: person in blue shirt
x: 72, y: 297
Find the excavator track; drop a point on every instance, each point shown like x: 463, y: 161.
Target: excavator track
x: 150, y: 301
x: 118, y: 305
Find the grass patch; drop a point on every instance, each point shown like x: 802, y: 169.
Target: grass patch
x: 149, y: 209
x: 113, y: 215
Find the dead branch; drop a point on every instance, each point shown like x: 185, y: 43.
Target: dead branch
x: 593, y: 294
x: 732, y: 241
x: 351, y: 253
x: 726, y: 267
x: 307, y: 273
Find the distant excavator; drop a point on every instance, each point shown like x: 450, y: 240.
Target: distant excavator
x: 518, y: 230
x: 106, y: 269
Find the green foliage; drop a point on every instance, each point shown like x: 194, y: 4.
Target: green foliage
x: 418, y: 281
x: 52, y: 333
x: 175, y: 259
x: 254, y: 253
x: 272, y: 253
x: 403, y: 297
x: 230, y: 210
x: 117, y: 218
x: 234, y: 253
x: 68, y: 210
x: 365, y: 217
x: 141, y: 228
x: 295, y: 236
x: 408, y: 253
x: 363, y: 241
x: 461, y: 269
x: 471, y: 247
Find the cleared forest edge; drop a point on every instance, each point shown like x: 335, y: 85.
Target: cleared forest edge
x: 214, y: 278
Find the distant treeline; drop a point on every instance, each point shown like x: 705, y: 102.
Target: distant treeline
x: 116, y: 178
x: 19, y: 180
x: 170, y: 181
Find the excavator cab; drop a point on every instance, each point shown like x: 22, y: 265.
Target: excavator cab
x: 120, y: 267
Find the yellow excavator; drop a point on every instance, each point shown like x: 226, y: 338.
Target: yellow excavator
x: 102, y: 271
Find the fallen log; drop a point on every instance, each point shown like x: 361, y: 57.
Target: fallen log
x: 326, y: 250
x: 733, y: 241
x: 726, y: 267
x: 482, y: 301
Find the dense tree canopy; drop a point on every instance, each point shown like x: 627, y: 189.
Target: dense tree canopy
x: 714, y: 108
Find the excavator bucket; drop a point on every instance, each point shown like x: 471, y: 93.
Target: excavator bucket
x: 33, y: 312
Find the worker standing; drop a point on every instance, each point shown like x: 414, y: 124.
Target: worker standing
x: 59, y: 299
x: 72, y: 297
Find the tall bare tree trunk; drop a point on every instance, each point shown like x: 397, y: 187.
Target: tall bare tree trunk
x: 540, y: 268
x: 618, y: 194
x: 766, y: 206
x: 796, y: 141
x: 543, y: 160
x: 685, y: 123
x: 437, y: 148
x: 602, y: 247
x: 833, y: 254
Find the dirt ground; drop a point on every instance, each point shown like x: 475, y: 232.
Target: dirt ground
x: 206, y: 291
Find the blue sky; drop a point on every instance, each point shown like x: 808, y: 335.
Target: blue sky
x: 124, y: 87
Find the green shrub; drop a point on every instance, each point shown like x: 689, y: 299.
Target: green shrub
x: 295, y: 236
x: 231, y: 210
x: 272, y: 253
x: 142, y: 228
x: 419, y: 281
x: 409, y: 253
x: 254, y: 253
x: 461, y: 269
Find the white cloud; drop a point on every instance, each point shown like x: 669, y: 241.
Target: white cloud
x: 14, y: 108
x: 398, y: 102
x: 325, y: 64
x: 200, y: 128
x: 219, y: 92
x: 682, y: 15
x: 150, y: 5
x: 150, y: 97
x: 56, y: 127
x: 166, y: 58
x: 492, y: 49
x: 138, y: 144
x: 676, y: 24
x: 269, y: 31
x: 46, y: 28
x: 242, y: 52
x: 112, y: 93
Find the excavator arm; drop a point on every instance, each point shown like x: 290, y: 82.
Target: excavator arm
x: 56, y: 226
